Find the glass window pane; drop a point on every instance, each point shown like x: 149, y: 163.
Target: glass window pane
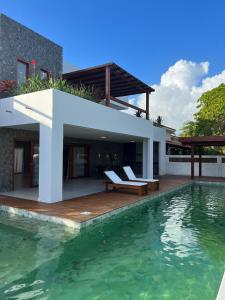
x: 35, y: 160
x: 18, y: 160
x: 43, y: 74
x: 22, y: 69
x: 80, y: 161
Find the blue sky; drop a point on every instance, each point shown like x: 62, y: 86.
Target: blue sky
x: 145, y: 37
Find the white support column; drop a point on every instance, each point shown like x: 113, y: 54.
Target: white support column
x: 144, y: 159
x: 162, y: 158
x: 148, y: 158
x: 51, y: 163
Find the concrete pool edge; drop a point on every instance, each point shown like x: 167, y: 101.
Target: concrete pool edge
x: 38, y: 216
x: 79, y: 225
x: 221, y: 292
x: 212, y: 183
x: 139, y: 202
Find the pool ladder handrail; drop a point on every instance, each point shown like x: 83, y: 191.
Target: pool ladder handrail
x: 221, y: 292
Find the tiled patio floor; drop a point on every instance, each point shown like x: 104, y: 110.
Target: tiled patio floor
x: 72, y: 188
x: 88, y: 207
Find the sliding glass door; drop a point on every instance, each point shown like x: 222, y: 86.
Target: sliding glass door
x: 34, y: 164
x: 26, y: 164
x: 75, y: 161
x: 80, y: 161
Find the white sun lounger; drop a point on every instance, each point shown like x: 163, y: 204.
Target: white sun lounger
x: 117, y: 183
x: 152, y: 183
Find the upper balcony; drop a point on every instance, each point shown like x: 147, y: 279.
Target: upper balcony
x: 110, y: 81
x: 46, y: 102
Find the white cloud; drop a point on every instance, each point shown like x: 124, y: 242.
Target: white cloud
x: 180, y: 87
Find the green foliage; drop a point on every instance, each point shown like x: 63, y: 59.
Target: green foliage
x: 210, y: 118
x: 188, y: 129
x: 37, y: 84
x: 6, y: 88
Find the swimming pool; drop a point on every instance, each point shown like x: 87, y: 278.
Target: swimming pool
x: 170, y: 248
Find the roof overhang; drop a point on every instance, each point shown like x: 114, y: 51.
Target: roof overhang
x: 177, y: 144
x: 122, y: 83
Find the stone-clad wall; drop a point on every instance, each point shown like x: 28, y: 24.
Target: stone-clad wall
x: 7, y: 138
x: 19, y: 42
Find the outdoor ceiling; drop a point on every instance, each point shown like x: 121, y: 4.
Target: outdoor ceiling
x: 87, y: 134
x: 99, y: 135
x: 122, y: 83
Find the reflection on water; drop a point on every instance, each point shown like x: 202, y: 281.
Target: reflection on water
x: 172, y: 248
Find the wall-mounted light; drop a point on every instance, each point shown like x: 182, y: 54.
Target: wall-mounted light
x: 27, y: 107
x: 103, y: 137
x: 132, y: 141
x: 8, y: 111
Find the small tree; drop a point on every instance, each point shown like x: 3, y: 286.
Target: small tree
x: 159, y: 120
x: 138, y: 114
x: 210, y: 117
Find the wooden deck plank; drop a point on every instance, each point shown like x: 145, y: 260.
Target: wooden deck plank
x: 96, y: 204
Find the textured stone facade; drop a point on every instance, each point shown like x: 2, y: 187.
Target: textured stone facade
x: 7, y: 138
x: 19, y: 42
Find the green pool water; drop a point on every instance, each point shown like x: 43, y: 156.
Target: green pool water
x: 171, y: 248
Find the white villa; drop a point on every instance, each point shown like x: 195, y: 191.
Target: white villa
x: 50, y: 140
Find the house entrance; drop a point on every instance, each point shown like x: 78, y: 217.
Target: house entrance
x: 25, y: 164
x: 75, y: 161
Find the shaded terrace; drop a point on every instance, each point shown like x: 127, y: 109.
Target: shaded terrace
x: 89, y: 207
x: 95, y: 206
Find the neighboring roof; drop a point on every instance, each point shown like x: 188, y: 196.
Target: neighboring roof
x: 169, y: 128
x: 203, y: 140
x: 166, y: 127
x: 177, y: 144
x: 122, y: 83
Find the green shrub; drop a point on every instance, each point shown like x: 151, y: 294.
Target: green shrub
x: 6, y: 88
x: 37, y: 84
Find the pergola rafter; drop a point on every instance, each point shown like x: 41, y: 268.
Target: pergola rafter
x: 111, y: 81
x: 201, y: 142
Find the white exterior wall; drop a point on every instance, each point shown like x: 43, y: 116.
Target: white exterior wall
x: 159, y: 135
x: 53, y: 109
x: 79, y: 112
x: 184, y: 168
x: 27, y: 109
x: 168, y: 135
x: 147, y: 158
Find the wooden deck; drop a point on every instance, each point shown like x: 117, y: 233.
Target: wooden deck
x: 89, y: 207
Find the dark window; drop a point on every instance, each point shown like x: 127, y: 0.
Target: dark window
x: 22, y: 71
x: 44, y: 74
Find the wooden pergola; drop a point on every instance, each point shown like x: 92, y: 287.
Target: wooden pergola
x: 110, y: 81
x: 201, y: 142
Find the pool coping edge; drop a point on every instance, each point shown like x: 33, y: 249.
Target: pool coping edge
x: 95, y: 220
